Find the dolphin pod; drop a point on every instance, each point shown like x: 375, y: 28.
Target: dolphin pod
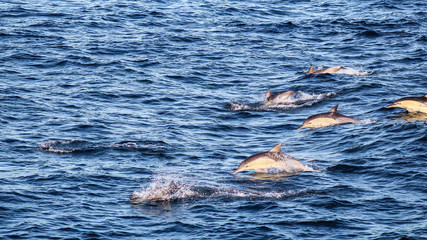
x: 272, y: 159
x: 276, y: 159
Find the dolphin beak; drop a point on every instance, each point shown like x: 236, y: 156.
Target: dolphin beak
x: 238, y: 170
x: 300, y: 128
x: 390, y: 106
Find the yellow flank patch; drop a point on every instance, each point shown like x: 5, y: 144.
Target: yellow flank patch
x: 262, y: 163
x: 413, y: 106
x: 322, y: 122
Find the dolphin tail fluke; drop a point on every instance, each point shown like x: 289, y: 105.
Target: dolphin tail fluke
x: 334, y: 109
x: 276, y: 148
x: 311, y: 70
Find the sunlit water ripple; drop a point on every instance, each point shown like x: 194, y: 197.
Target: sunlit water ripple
x: 160, y: 101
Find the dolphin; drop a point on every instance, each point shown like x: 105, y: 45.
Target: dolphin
x: 330, y: 70
x: 271, y: 98
x: 327, y: 119
x: 411, y: 104
x: 274, y: 158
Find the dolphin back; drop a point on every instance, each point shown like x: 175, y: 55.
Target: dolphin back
x: 340, y: 119
x: 329, y: 70
x: 286, y: 163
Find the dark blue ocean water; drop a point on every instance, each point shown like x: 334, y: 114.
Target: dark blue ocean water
x: 100, y: 100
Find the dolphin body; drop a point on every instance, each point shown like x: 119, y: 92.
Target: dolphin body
x: 330, y: 70
x: 411, y: 104
x: 327, y: 119
x: 274, y: 158
x: 272, y: 98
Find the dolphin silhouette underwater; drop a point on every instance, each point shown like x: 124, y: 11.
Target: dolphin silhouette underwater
x: 275, y: 98
x: 411, y: 104
x: 273, y: 159
x: 327, y: 119
x: 330, y: 70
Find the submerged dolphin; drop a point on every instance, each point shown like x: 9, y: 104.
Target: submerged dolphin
x: 411, y: 104
x: 280, y: 97
x: 161, y: 193
x: 274, y: 158
x: 327, y: 119
x: 330, y: 70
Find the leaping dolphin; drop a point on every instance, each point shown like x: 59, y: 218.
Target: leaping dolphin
x: 411, y: 104
x: 271, y: 98
x: 274, y: 158
x: 330, y: 70
x: 327, y: 119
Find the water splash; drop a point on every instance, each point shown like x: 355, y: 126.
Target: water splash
x: 166, y: 189
x: 68, y: 146
x: 75, y: 146
x: 300, y: 99
x: 352, y: 71
x: 369, y: 121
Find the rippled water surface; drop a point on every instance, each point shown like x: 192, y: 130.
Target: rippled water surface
x: 102, y: 102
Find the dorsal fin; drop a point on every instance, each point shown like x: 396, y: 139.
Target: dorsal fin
x: 311, y: 70
x: 276, y: 148
x: 334, y: 109
x: 268, y: 95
